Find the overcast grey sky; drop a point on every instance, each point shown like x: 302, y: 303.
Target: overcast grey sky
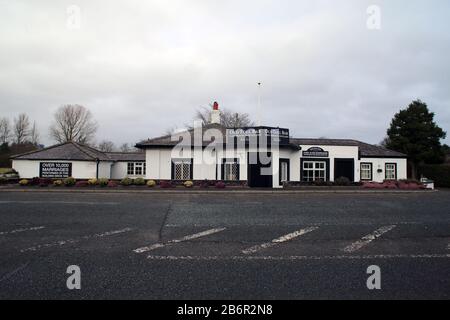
x: 142, y: 67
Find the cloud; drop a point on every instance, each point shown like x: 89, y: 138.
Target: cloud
x: 142, y: 67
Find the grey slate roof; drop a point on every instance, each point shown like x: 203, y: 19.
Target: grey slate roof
x: 365, y: 149
x: 126, y: 156
x: 76, y: 151
x: 165, y: 141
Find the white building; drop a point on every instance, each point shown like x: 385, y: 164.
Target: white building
x: 266, y: 157
x: 259, y: 156
x: 72, y: 159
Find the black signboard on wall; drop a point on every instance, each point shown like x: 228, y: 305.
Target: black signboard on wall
x: 55, y: 169
x: 316, y: 152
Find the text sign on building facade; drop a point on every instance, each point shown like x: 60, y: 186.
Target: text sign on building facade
x: 315, y: 152
x: 273, y: 134
x: 55, y: 170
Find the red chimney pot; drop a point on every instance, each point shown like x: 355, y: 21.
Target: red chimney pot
x: 215, y: 105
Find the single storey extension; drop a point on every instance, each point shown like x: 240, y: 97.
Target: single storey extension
x: 76, y: 160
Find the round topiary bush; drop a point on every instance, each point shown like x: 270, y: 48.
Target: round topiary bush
x: 151, y: 183
x: 342, y: 181
x: 103, y: 182
x: 188, y: 184
x: 58, y: 183
x: 139, y: 181
x: 126, y: 182
x: 69, y: 182
x: 92, y: 182
x: 23, y: 182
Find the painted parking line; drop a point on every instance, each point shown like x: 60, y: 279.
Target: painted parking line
x: 76, y: 240
x: 185, y: 238
x: 21, y: 230
x: 279, y: 240
x: 355, y: 246
x: 90, y: 203
x: 298, y: 258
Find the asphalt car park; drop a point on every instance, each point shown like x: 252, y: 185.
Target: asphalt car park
x: 224, y: 246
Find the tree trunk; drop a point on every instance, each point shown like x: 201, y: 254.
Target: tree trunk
x: 414, y: 172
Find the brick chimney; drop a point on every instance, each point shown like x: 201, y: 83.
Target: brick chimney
x: 215, y: 113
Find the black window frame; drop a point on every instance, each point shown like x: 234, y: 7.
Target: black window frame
x: 288, y: 161
x: 395, y: 171
x: 191, y: 169
x: 371, y: 171
x: 222, y: 168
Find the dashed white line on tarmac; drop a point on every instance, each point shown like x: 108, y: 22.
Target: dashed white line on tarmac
x: 61, y: 202
x: 21, y: 230
x: 186, y: 238
x: 76, y: 240
x: 279, y: 240
x: 297, y: 258
x: 368, y: 238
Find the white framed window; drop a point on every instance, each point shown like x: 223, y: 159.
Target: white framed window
x: 366, y: 171
x: 136, y: 168
x: 390, y: 171
x: 230, y: 170
x: 314, y: 171
x: 284, y: 172
x: 182, y: 169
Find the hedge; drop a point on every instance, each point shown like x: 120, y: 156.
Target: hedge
x: 440, y: 174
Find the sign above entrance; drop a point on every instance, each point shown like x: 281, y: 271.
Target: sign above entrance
x: 316, y: 152
x: 273, y: 134
x: 55, y: 169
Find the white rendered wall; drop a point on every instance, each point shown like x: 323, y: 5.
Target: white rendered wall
x: 379, y: 163
x: 80, y: 169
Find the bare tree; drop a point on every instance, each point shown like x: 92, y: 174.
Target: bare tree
x: 21, y: 130
x: 228, y: 118
x: 34, y: 134
x: 5, y: 130
x: 73, y: 123
x: 106, y: 146
x: 125, y: 147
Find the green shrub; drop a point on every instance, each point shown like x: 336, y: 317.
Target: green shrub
x: 23, y: 182
x: 103, y: 182
x: 188, y: 184
x: 342, y: 181
x: 58, y: 183
x: 69, y: 182
x: 139, y: 182
x: 440, y: 174
x: 93, y: 182
x: 151, y: 183
x: 126, y: 182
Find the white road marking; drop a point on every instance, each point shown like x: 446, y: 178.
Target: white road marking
x: 368, y: 238
x: 298, y: 258
x: 61, y: 202
x: 279, y: 240
x: 186, y: 238
x: 76, y: 240
x: 10, y: 274
x: 21, y: 230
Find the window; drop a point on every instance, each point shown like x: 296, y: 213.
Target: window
x: 284, y: 170
x: 230, y: 170
x: 136, y: 168
x: 130, y: 169
x: 366, y: 171
x: 391, y: 171
x: 314, y: 171
x: 182, y: 169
